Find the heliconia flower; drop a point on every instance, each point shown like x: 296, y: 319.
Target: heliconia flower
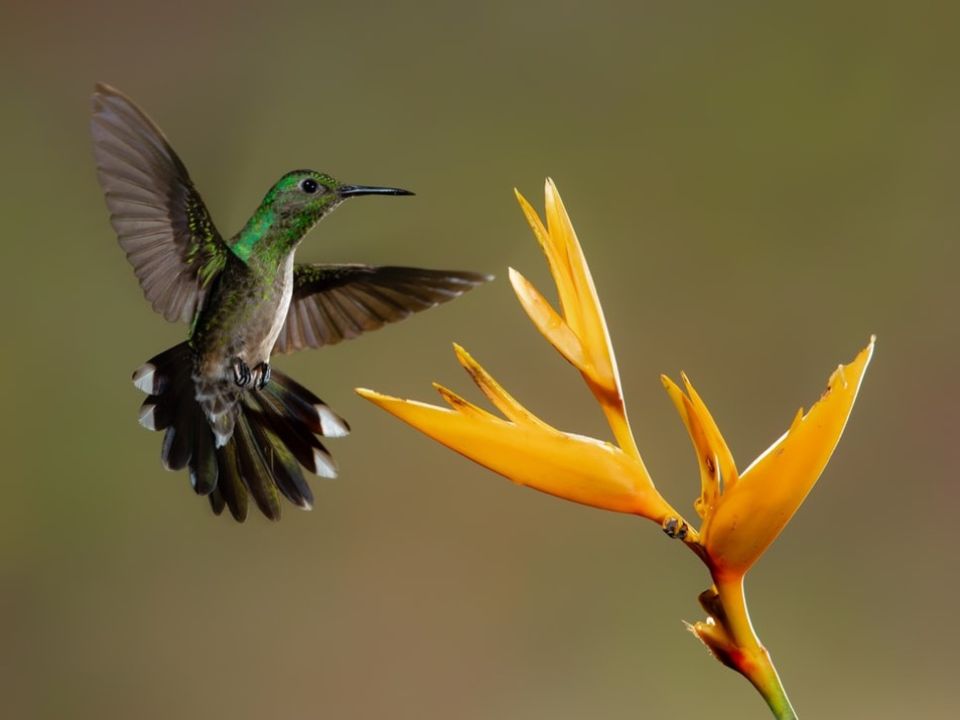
x: 525, y: 449
x: 743, y: 513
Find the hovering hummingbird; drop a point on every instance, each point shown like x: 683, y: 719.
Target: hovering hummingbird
x: 238, y: 425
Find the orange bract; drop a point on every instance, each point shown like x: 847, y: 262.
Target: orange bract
x: 746, y: 515
x: 530, y: 452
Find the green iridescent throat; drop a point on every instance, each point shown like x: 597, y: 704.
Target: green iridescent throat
x: 257, y: 229
x: 269, y: 236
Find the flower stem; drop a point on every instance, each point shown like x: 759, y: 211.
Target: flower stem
x: 750, y: 658
x: 616, y: 413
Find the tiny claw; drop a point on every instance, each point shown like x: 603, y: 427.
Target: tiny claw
x: 675, y: 528
x: 261, y: 374
x: 241, y: 372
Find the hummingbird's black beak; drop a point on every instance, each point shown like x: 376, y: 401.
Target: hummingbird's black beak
x: 355, y: 190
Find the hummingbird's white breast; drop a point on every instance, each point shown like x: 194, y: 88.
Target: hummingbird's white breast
x: 285, y: 292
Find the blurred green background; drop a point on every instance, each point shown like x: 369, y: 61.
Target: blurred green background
x: 758, y: 187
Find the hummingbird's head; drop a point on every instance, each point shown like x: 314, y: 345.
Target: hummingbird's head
x: 303, y: 197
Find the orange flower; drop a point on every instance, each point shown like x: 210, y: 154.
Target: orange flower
x: 743, y: 514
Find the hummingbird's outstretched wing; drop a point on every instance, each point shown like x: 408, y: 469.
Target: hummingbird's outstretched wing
x: 158, y: 215
x: 338, y: 302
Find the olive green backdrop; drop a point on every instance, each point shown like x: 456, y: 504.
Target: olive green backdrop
x: 758, y: 187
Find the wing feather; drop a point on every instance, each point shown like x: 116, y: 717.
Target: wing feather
x: 332, y: 303
x: 160, y: 219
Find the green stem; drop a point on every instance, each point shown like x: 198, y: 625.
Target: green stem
x: 753, y: 660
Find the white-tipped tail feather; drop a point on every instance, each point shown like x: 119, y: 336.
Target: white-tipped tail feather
x: 146, y: 418
x: 143, y: 379
x: 332, y: 424
x: 323, y: 464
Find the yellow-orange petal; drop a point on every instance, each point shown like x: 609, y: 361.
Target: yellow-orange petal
x: 728, y: 468
x: 460, y: 404
x: 707, y: 456
x: 494, y: 391
x: 587, y: 318
x: 753, y: 512
x: 581, y: 309
x: 718, y: 471
x: 580, y: 332
x: 553, y: 327
x: 572, y: 467
x: 556, y: 256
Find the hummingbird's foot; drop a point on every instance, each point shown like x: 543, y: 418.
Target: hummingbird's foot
x: 261, y: 375
x: 241, y: 372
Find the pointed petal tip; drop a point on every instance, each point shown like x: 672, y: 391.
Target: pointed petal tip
x: 464, y: 357
x: 372, y: 395
x: 797, y: 419
x: 379, y: 399
x: 468, y: 362
x: 677, y: 397
x: 519, y: 283
x: 448, y: 395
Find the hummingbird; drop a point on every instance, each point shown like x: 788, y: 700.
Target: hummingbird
x: 242, y: 428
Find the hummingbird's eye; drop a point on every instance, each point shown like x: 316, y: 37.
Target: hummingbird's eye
x: 309, y: 186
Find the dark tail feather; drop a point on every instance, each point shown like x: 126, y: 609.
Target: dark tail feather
x: 217, y: 503
x: 204, y: 470
x: 295, y: 434
x: 283, y: 463
x: 230, y: 484
x: 275, y: 433
x: 254, y: 470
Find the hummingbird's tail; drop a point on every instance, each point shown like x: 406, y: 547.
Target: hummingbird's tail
x: 274, y: 433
